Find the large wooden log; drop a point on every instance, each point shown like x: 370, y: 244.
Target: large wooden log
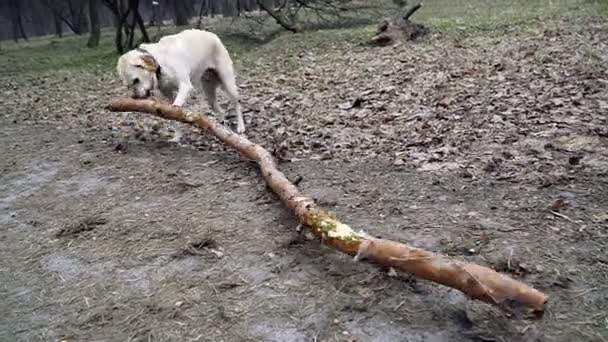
x: 399, y: 28
x: 476, y: 281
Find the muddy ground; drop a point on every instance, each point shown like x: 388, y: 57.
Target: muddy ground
x: 490, y: 148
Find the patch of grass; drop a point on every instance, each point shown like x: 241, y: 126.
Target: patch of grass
x: 498, y: 17
x: 50, y: 53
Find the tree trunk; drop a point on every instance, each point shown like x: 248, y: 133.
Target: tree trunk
x: 20, y: 21
x: 212, y: 8
x: 156, y: 20
x: 17, y: 20
x: 131, y: 30
x: 141, y: 24
x: 58, y: 25
x: 125, y: 29
x: 122, y: 23
x: 476, y: 281
x: 74, y: 20
x: 201, y: 12
x: 41, y: 24
x: 95, y: 28
x: 180, y: 12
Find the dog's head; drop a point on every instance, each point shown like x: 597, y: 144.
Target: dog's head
x: 138, y: 70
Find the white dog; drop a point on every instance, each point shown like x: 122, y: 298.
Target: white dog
x: 178, y: 64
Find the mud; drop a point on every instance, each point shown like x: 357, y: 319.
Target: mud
x: 140, y: 271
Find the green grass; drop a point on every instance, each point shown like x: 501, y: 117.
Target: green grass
x: 242, y: 35
x: 50, y: 53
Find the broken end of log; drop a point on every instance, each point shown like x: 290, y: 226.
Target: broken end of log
x: 399, y: 28
x: 396, y: 31
x: 383, y: 26
x: 381, y: 40
x: 475, y: 281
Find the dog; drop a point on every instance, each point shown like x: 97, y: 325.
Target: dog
x: 176, y: 66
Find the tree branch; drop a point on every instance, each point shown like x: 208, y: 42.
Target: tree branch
x: 411, y: 11
x: 278, y: 18
x: 477, y: 282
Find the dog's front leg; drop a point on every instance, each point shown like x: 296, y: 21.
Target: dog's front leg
x: 183, y: 92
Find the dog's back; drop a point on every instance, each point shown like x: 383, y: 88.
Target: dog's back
x: 201, y: 48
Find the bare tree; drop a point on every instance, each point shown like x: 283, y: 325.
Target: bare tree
x: 16, y: 15
x: 181, y: 11
x: 156, y: 17
x: 124, y: 10
x: 94, y: 20
x: 291, y: 13
x: 70, y: 12
x: 58, y: 25
x: 212, y: 8
x: 204, y: 9
x: 36, y: 17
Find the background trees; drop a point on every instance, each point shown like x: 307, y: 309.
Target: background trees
x: 20, y: 19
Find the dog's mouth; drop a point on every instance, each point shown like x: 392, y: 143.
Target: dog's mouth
x: 141, y: 96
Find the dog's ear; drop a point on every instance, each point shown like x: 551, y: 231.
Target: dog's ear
x: 149, y: 63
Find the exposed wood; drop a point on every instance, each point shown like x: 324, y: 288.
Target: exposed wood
x: 399, y: 28
x: 476, y: 281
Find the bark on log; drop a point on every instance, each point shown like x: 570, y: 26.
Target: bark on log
x: 476, y: 281
x: 411, y: 11
x: 399, y: 28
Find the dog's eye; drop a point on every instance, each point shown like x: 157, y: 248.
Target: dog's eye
x: 135, y: 81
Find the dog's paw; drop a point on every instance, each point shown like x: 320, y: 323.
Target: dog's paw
x: 240, y: 129
x: 177, y: 138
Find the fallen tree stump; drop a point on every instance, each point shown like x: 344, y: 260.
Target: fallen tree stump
x: 399, y: 28
x: 475, y: 281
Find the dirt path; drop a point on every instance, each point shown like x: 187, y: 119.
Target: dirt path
x: 166, y: 243
x: 486, y: 146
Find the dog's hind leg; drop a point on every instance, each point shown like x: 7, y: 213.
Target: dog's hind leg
x: 226, y: 76
x: 209, y: 85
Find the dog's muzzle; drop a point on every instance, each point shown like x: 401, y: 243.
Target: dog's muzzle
x: 138, y: 96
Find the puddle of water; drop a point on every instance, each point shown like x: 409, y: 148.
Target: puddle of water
x: 84, y: 184
x: 277, y: 331
x: 380, y: 330
x: 71, y: 268
x: 31, y: 181
x: 66, y: 267
x: 147, y: 277
x: 256, y: 275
